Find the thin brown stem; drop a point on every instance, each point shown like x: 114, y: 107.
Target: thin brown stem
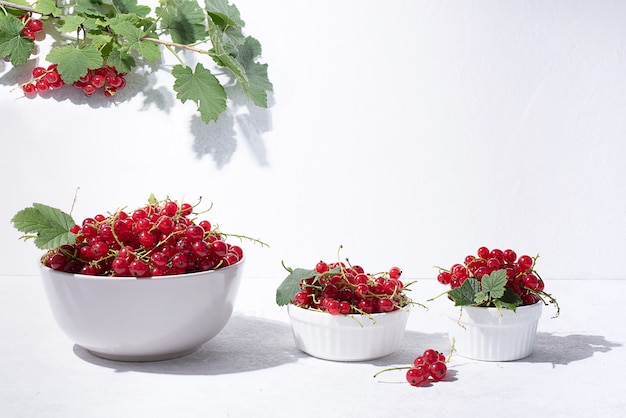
x: 17, y: 6
x: 174, y: 44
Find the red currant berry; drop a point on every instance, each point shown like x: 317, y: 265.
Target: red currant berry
x: 98, y: 81
x: 483, y: 252
x: 34, y: 25
x: 89, y: 89
x: 385, y: 305
x: 444, y: 277
x: 28, y: 34
x: 42, y: 85
x: 302, y: 298
x: 219, y: 248
x: 430, y: 356
x: 38, y: 72
x: 138, y: 268
x: 525, y: 263
x: 509, y: 256
x: 321, y: 267
x: 417, y: 375
x: 29, y: 88
x: 437, y: 370
x: 395, y: 272
x: 531, y: 281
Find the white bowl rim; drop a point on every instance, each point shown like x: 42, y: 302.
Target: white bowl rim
x: 373, y: 315
x: 520, y: 307
x: 148, y: 278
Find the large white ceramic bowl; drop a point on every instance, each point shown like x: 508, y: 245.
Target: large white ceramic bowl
x: 347, y: 337
x: 489, y: 334
x: 148, y: 319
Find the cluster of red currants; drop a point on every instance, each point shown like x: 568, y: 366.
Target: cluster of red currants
x: 522, y: 277
x: 155, y: 240
x: 44, y: 79
x: 107, y: 79
x: 431, y: 365
x: 338, y: 288
x: 32, y: 26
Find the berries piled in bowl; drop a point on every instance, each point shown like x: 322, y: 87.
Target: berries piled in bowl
x: 500, y: 295
x: 340, y: 312
x: 148, y: 284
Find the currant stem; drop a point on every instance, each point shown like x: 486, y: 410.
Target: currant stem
x: 392, y: 369
x: 16, y: 6
x: 174, y: 44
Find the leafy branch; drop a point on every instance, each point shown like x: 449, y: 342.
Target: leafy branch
x: 121, y: 34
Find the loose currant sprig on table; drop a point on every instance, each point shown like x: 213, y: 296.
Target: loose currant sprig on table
x: 431, y: 365
x: 92, y: 36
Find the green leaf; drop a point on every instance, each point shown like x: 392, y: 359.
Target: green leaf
x: 465, y: 294
x: 133, y: 39
x: 74, y: 62
x: 509, y: 300
x: 51, y: 226
x: 258, y: 80
x: 12, y: 44
x: 48, y: 7
x: 185, y: 20
x: 99, y: 40
x: 122, y: 61
x: 481, y: 298
x: 130, y: 6
x: 494, y: 283
x: 287, y: 290
x: 240, y: 60
x: 223, y: 58
x: 70, y: 23
x: 224, y: 14
x: 203, y: 88
x: 93, y: 8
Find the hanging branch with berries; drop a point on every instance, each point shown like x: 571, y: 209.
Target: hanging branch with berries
x: 100, y: 41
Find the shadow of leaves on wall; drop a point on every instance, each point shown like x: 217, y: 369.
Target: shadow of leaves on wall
x: 217, y: 138
x: 242, y: 117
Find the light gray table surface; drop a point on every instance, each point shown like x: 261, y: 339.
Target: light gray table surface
x: 253, y: 369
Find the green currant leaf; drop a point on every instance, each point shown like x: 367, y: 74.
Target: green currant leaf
x: 494, y: 283
x: 203, y: 88
x: 133, y: 39
x: 509, y: 300
x: 50, y: 226
x: 185, y: 21
x: 121, y: 61
x: 223, y: 57
x: 258, y: 79
x: 70, y: 23
x: 48, y: 7
x: 465, y: 294
x: 73, y: 62
x: 481, y: 298
x: 99, y: 40
x: 287, y: 290
x: 224, y: 14
x: 130, y: 6
x: 93, y: 8
x: 12, y: 45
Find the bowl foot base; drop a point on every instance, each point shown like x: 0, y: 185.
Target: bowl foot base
x: 141, y: 358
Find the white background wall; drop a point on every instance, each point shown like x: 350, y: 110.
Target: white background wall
x: 412, y: 132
